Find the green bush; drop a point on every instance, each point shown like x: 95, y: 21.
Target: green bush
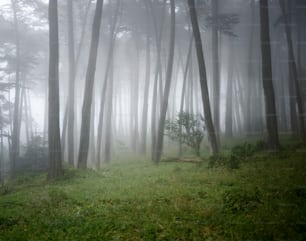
x: 219, y: 160
x: 35, y: 158
x: 187, y: 129
x: 240, y: 200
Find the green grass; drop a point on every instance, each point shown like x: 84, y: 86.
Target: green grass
x: 265, y: 199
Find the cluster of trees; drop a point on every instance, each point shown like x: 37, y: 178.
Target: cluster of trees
x: 119, y: 69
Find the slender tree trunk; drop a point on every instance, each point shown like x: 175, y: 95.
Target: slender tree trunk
x: 108, y: 121
x: 271, y: 120
x: 216, y: 69
x: 105, y: 82
x: 16, y: 117
x: 158, y: 73
x: 162, y: 119
x: 229, y: 93
x: 1, y: 145
x: 184, y: 90
x: 64, y: 130
x: 203, y: 79
x: 55, y: 162
x: 89, y: 82
x: 143, y: 148
x: 293, y: 69
x: 250, y: 77
x: 71, y: 94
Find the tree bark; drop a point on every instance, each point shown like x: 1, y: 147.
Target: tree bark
x: 160, y: 133
x: 216, y: 69
x: 203, y: 78
x: 55, y: 162
x: 271, y: 120
x: 105, y: 82
x: 89, y: 82
x: 143, y: 147
x: 293, y: 69
x: 16, y: 118
x: 71, y: 94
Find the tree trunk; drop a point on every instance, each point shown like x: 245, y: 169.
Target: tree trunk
x: 229, y: 92
x: 108, y: 121
x: 216, y: 69
x: 271, y: 120
x: 55, y: 163
x: 71, y: 94
x: 184, y: 90
x: 250, y: 77
x: 160, y: 133
x: 143, y: 147
x: 203, y: 79
x: 158, y: 73
x: 293, y: 69
x: 105, y: 83
x: 89, y: 82
x: 16, y: 118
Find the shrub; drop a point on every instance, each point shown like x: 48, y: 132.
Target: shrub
x: 35, y: 158
x: 239, y: 200
x: 188, y: 129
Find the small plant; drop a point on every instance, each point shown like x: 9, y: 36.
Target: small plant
x: 230, y: 161
x: 35, y: 158
x: 240, y: 200
x: 188, y: 129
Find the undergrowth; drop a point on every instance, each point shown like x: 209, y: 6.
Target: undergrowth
x: 262, y: 200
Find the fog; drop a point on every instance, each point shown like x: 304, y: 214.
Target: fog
x: 125, y: 76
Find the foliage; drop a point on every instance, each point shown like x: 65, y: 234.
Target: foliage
x: 241, y: 200
x: 35, y: 158
x: 188, y: 129
x: 239, y: 153
x: 263, y: 200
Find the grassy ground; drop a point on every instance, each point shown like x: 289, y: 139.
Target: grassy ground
x: 265, y: 199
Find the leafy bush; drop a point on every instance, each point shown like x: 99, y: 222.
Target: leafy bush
x: 239, y: 200
x: 35, y: 158
x: 188, y: 129
x: 230, y: 161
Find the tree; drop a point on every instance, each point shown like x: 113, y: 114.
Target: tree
x: 203, y: 78
x: 271, y: 121
x: 188, y: 129
x: 89, y: 82
x: 216, y: 69
x: 294, y: 71
x: 160, y: 133
x: 72, y: 72
x: 14, y: 154
x: 55, y: 162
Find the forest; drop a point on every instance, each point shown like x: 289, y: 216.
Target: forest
x: 152, y: 120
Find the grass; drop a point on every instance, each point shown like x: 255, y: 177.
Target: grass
x: 265, y: 199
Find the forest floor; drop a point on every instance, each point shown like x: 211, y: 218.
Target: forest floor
x: 263, y: 199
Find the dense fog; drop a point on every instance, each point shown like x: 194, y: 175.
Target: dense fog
x: 126, y: 70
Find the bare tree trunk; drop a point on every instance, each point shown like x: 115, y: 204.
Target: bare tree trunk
x: 216, y: 69
x: 294, y: 72
x: 16, y: 119
x: 160, y: 133
x: 143, y: 147
x: 158, y: 73
x: 108, y: 121
x: 184, y: 89
x: 229, y: 93
x: 71, y: 94
x: 105, y: 83
x: 271, y: 120
x: 55, y: 162
x: 89, y: 82
x: 250, y: 77
x: 203, y: 79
